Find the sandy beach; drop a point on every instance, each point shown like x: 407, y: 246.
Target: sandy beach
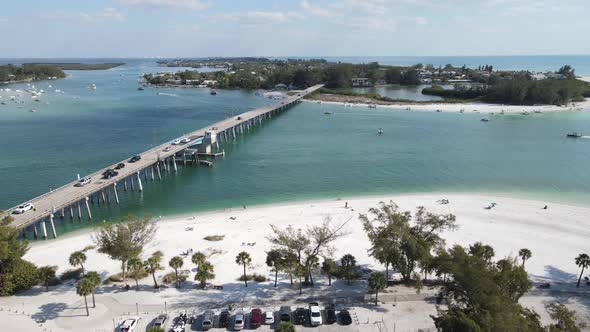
x: 555, y: 236
x: 354, y: 101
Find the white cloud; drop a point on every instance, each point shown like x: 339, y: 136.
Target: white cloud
x: 107, y: 14
x: 253, y: 18
x: 317, y: 10
x: 385, y: 23
x: 172, y: 4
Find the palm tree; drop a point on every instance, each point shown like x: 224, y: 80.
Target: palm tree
x: 94, y: 277
x: 583, y: 261
x: 135, y: 265
x: 273, y: 259
x: 204, y: 273
x: 377, y: 282
x: 330, y: 268
x: 290, y: 261
x: 84, y: 288
x: 47, y: 275
x: 176, y: 263
x: 244, y: 259
x: 152, y: 265
x: 78, y: 258
x: 198, y: 258
x: 348, y: 266
x: 524, y: 254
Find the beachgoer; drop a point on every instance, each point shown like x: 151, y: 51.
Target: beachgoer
x: 545, y: 207
x: 346, y: 205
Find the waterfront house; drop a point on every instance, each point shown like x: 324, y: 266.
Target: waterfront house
x: 360, y: 81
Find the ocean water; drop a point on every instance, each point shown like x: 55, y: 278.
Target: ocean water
x: 302, y: 154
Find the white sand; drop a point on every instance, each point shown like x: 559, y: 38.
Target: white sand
x: 476, y: 107
x: 555, y: 236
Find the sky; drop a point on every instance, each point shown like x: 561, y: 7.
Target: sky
x: 194, y: 28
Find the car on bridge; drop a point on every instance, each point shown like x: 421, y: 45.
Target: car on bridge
x: 109, y: 173
x: 23, y: 208
x: 120, y: 165
x: 168, y: 148
x: 185, y: 140
x: 82, y: 182
x: 176, y: 142
x: 135, y: 158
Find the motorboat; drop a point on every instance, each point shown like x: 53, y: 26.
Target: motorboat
x: 573, y: 135
x: 213, y: 92
x: 380, y: 131
x: 485, y: 120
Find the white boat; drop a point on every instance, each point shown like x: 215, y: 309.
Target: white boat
x: 380, y: 131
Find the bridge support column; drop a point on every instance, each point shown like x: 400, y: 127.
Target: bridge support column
x: 158, y: 170
x: 132, y: 184
x: 79, y: 211
x: 88, y: 209
x: 35, y: 234
x: 71, y: 212
x: 62, y: 214
x: 125, y: 184
x: 139, y: 182
x: 233, y: 129
x: 52, y: 226
x: 145, y: 175
x: 104, y: 200
x: 152, y: 171
x: 174, y: 163
x: 44, y: 229
x: 115, y: 192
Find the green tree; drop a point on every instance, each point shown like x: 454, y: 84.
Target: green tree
x: 125, y: 240
x: 95, y: 279
x: 205, y: 273
x: 377, y: 282
x: 524, y: 255
x: 152, y: 265
x: 348, y: 268
x: 84, y: 288
x: 565, y: 319
x: 285, y: 327
x: 393, y: 75
x: 330, y: 268
x: 19, y: 275
x: 583, y: 261
x: 135, y: 266
x: 176, y: 263
x: 47, y: 276
x: 156, y: 329
x: 243, y: 258
x: 198, y: 258
x: 404, y: 240
x: 273, y: 260
x: 567, y: 71
x: 481, y: 250
x: 78, y: 258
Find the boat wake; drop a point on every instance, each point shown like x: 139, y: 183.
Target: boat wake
x: 167, y: 94
x: 585, y: 137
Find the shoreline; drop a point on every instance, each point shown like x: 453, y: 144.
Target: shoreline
x: 467, y: 107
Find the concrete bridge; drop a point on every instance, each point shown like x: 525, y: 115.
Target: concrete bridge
x: 73, y: 201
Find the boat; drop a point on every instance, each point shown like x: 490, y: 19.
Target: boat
x: 573, y: 135
x: 525, y: 113
x: 213, y: 92
x: 327, y: 113
x: 485, y: 120
x: 140, y: 88
x: 372, y: 106
x: 380, y: 131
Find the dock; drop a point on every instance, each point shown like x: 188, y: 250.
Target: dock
x: 73, y: 202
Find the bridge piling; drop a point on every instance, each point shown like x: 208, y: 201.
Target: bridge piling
x: 35, y: 233
x: 152, y: 171
x: 52, y: 226
x: 62, y: 214
x: 174, y: 163
x: 158, y: 170
x: 71, y: 212
x: 44, y: 229
x: 139, y: 182
x: 115, y: 192
x: 125, y: 184
x: 79, y: 211
x: 132, y: 183
x: 88, y: 209
x: 104, y: 200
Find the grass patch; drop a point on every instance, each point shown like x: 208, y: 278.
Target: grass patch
x: 170, y: 278
x: 75, y: 274
x: 254, y: 276
x: 214, y: 237
x: 88, y: 248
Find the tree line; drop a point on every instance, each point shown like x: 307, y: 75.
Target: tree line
x: 10, y: 73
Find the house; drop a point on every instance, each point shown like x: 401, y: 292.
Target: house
x: 555, y: 76
x: 360, y: 81
x: 209, y: 82
x: 538, y: 76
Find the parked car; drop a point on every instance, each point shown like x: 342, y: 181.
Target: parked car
x: 255, y: 318
x: 161, y: 321
x: 345, y: 318
x: 269, y: 318
x: 331, y: 314
x: 238, y: 321
x: 285, y: 313
x: 315, y: 314
x: 166, y: 149
x: 23, y: 208
x: 207, y: 323
x: 300, y: 316
x: 109, y: 173
x: 120, y: 165
x: 135, y: 159
x: 185, y: 140
x: 82, y: 182
x: 129, y: 325
x: 224, y: 318
x: 176, y: 142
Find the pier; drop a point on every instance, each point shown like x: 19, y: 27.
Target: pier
x: 74, y: 202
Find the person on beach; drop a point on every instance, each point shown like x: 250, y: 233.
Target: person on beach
x: 346, y: 205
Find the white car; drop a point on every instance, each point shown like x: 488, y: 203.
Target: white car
x: 23, y: 208
x: 176, y: 142
x: 239, y: 321
x: 82, y: 182
x: 315, y: 315
x: 129, y: 325
x: 167, y: 149
x: 269, y: 318
x: 185, y: 140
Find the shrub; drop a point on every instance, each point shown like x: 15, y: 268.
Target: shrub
x: 256, y: 277
x: 285, y: 327
x: 170, y: 278
x: 214, y: 237
x: 75, y: 274
x: 20, y: 275
x: 156, y: 329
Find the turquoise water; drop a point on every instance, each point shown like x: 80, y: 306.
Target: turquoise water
x: 395, y: 91
x: 301, y: 154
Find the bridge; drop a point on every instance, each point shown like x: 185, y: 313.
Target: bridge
x: 72, y: 200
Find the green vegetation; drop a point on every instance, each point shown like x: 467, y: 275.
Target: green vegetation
x: 522, y: 91
x: 156, y: 329
x: 285, y: 327
x: 330, y: 268
x: 214, y: 237
x: 81, y: 66
x: 377, y: 282
x: 136, y: 270
x: 524, y: 254
x: 75, y: 274
x: 94, y: 278
x: 254, y: 276
x: 29, y: 72
x: 176, y: 263
x: 583, y: 261
x: 205, y: 273
x: 152, y: 265
x: 244, y: 259
x: 47, y: 276
x: 78, y: 258
x: 348, y: 269
x: 84, y: 288
x: 565, y: 319
x: 274, y: 260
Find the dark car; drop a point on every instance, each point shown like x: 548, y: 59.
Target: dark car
x: 255, y: 318
x: 345, y: 318
x: 300, y: 316
x: 120, y: 165
x: 135, y: 158
x: 224, y: 318
x: 285, y: 313
x: 109, y: 173
x: 331, y: 314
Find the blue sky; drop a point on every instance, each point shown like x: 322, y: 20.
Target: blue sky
x: 189, y: 28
